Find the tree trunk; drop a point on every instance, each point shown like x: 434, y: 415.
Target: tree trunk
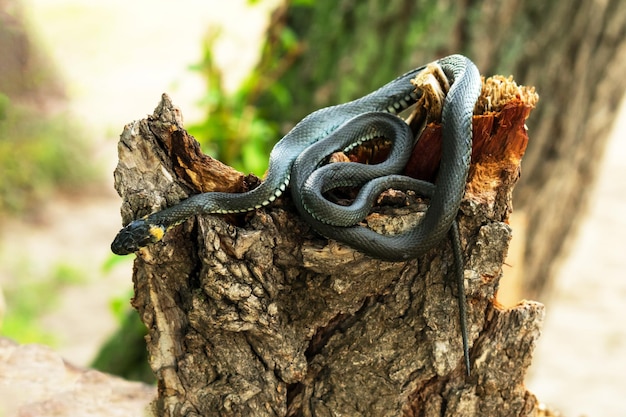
x: 572, y: 52
x: 256, y: 315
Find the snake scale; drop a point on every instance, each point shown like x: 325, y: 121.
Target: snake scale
x: 296, y: 161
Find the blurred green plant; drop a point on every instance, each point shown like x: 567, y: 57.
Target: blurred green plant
x: 124, y: 353
x: 30, y: 297
x: 38, y: 154
x: 114, y: 260
x: 235, y: 130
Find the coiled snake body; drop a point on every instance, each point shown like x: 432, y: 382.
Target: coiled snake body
x: 296, y: 161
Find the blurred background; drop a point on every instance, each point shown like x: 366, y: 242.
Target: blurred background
x: 73, y: 73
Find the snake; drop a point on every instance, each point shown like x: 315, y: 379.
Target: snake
x: 310, y: 181
x: 296, y: 161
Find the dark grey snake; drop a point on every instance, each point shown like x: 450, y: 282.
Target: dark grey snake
x: 297, y: 159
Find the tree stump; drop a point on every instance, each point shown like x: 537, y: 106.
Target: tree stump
x: 256, y: 315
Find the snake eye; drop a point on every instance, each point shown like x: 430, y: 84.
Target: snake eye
x: 135, y: 235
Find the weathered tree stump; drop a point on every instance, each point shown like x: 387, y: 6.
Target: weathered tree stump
x: 256, y: 315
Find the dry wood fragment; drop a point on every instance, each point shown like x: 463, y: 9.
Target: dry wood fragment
x: 257, y: 315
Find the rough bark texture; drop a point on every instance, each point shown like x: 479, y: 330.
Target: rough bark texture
x: 574, y: 53
x: 257, y: 315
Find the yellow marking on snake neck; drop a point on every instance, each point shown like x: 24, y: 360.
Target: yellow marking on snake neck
x: 157, y: 233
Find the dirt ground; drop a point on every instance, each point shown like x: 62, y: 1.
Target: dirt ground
x: 118, y: 57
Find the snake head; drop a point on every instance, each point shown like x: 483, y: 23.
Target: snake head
x: 135, y: 235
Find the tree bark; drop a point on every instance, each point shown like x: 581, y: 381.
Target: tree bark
x: 573, y: 53
x: 257, y: 315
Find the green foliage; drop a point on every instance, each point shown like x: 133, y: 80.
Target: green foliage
x: 38, y: 154
x: 29, y: 297
x: 114, y: 260
x: 235, y: 130
x: 232, y: 132
x: 4, y: 106
x: 125, y: 354
x: 119, y: 306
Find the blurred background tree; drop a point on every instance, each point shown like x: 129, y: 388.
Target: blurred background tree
x: 573, y: 53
